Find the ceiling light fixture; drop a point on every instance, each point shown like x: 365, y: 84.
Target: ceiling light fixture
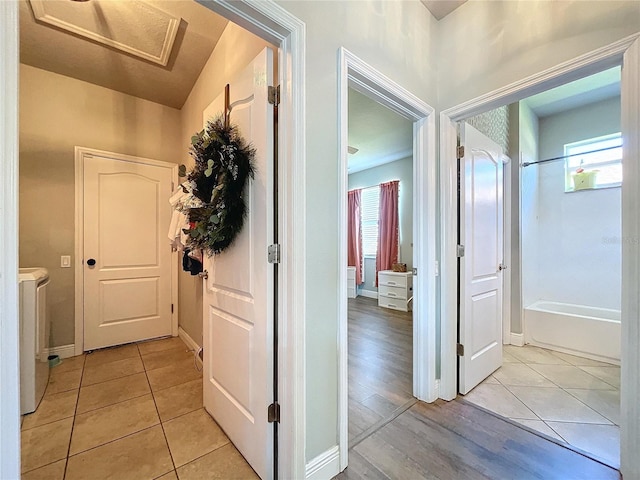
x: 352, y: 150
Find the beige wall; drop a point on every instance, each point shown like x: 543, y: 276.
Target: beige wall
x: 234, y: 51
x: 56, y: 114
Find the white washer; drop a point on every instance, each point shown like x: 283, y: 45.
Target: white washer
x: 34, y: 337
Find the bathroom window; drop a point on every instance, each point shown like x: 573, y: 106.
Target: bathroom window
x: 594, y: 163
x: 370, y: 201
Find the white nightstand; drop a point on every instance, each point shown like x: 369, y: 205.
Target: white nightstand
x: 352, y: 291
x: 395, y: 289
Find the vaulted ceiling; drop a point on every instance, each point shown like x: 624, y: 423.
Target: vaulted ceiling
x: 152, y: 49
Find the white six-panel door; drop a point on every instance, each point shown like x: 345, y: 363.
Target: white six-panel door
x: 127, y: 291
x: 238, y: 293
x: 481, y: 233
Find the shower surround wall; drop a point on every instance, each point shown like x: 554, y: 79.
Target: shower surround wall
x: 579, y: 233
x: 570, y: 241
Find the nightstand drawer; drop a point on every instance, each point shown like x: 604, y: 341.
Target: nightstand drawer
x: 393, y: 303
x: 393, y: 292
x: 392, y: 280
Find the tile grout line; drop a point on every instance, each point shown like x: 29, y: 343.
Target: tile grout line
x: 208, y: 453
x: 593, y: 409
x: 164, y: 434
x: 73, y: 423
x: 555, y: 386
x: 569, y: 393
x: 75, y: 414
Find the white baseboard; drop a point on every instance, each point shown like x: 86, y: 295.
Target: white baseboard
x: 191, y: 343
x: 517, y: 339
x: 325, y: 466
x: 63, y: 351
x: 369, y: 294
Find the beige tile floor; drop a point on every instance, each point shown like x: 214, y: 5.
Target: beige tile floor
x: 572, y: 399
x: 130, y: 412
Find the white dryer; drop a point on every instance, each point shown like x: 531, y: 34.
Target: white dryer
x: 34, y: 337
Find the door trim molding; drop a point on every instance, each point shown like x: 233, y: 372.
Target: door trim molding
x: 626, y: 50
x: 356, y: 73
x: 324, y: 465
x: 78, y: 244
x: 9, y: 321
x: 273, y: 23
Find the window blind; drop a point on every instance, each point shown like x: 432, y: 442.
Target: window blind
x: 370, y: 201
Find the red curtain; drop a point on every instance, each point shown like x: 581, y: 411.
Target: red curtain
x: 387, y: 253
x: 354, y: 240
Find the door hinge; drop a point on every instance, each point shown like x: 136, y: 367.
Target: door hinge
x: 460, y: 349
x: 172, y: 308
x: 460, y: 151
x: 460, y: 250
x: 273, y: 253
x: 414, y: 271
x: 274, y: 95
x: 273, y: 413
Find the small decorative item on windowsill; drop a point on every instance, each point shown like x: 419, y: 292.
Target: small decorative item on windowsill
x: 224, y: 162
x: 399, y: 267
x: 583, y: 179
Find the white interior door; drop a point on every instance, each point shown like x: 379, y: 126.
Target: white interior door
x: 127, y: 258
x: 238, y: 293
x: 481, y: 233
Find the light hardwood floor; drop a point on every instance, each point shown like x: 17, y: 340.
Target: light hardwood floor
x: 380, y: 365
x: 392, y: 436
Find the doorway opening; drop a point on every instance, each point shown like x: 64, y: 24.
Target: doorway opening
x: 380, y: 203
x: 559, y: 338
x: 149, y: 122
x: 371, y: 88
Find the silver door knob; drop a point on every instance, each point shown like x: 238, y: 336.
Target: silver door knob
x: 204, y: 274
x: 502, y: 266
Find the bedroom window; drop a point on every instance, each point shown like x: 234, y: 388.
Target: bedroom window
x: 600, y: 166
x: 370, y: 200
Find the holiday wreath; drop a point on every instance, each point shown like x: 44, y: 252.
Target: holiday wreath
x: 224, y: 162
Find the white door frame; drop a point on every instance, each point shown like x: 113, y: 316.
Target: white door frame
x: 9, y: 323
x: 357, y: 74
x: 78, y: 246
x: 625, y: 52
x: 273, y: 23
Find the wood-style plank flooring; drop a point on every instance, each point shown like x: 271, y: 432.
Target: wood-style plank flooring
x: 380, y: 365
x: 392, y: 436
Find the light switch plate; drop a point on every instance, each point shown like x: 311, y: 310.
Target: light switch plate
x: 65, y: 261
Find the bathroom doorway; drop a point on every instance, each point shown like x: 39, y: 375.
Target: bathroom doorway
x: 560, y: 374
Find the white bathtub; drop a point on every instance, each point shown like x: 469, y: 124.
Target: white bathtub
x: 585, y: 331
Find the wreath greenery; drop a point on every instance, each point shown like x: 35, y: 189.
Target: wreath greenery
x: 224, y: 162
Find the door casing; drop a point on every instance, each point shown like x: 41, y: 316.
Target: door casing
x: 355, y: 73
x: 625, y: 52
x: 80, y: 154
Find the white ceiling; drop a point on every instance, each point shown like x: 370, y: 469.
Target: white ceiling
x: 442, y: 8
x: 51, y: 45
x: 581, y: 92
x: 380, y: 134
